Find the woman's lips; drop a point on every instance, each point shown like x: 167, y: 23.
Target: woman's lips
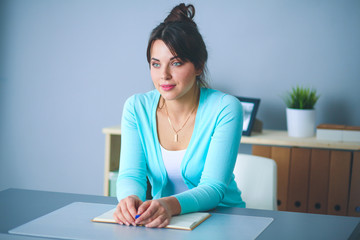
x: 167, y: 87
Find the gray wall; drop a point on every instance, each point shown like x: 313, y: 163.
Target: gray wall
x: 68, y: 66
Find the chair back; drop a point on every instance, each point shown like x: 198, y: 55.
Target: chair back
x: 256, y: 177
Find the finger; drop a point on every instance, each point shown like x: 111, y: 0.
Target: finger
x: 164, y: 224
x: 118, y: 216
x: 154, y: 213
x: 131, y: 208
x: 146, y: 210
x: 142, y: 208
x: 157, y: 222
x: 159, y: 216
x: 117, y: 219
x: 126, y: 215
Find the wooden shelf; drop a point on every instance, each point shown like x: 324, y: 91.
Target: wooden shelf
x: 114, y: 130
x: 281, y: 138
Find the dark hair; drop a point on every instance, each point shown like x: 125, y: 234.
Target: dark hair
x: 181, y: 35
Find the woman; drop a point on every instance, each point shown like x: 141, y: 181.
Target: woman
x: 183, y: 136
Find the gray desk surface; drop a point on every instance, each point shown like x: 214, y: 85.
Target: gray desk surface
x: 19, y: 206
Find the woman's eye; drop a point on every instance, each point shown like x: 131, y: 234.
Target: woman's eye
x: 155, y: 65
x: 177, y: 64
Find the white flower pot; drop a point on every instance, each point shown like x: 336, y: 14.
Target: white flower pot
x: 300, y: 122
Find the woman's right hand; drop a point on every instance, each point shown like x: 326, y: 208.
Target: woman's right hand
x: 126, y: 210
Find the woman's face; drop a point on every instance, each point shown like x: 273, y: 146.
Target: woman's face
x: 173, y: 78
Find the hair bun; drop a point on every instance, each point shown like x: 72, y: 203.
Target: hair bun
x: 181, y: 13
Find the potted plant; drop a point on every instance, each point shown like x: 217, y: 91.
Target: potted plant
x: 300, y: 111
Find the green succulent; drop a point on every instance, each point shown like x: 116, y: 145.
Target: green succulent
x: 301, y: 98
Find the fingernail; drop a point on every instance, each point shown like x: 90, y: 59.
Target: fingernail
x: 127, y: 224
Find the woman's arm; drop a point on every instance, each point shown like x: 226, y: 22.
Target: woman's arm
x: 131, y: 183
x: 132, y: 172
x: 220, y: 160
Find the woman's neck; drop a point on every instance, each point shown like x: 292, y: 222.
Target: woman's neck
x: 185, y: 105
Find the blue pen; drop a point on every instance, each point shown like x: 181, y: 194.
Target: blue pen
x: 136, y: 217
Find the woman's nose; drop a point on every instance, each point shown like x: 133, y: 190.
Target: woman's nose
x: 166, y: 74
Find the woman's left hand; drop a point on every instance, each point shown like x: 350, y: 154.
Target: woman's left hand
x: 157, y: 213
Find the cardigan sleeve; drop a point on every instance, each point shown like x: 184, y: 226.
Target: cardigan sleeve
x: 132, y: 170
x: 220, y: 160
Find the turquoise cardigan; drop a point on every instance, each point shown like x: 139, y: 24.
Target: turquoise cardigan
x: 208, y: 164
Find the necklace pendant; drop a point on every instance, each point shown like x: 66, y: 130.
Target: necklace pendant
x: 176, y: 138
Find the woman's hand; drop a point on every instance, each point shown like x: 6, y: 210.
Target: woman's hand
x: 157, y: 213
x: 127, y: 209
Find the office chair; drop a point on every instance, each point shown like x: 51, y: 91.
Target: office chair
x: 256, y: 177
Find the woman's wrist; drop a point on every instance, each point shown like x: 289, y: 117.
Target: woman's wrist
x: 172, y: 204
x: 135, y: 196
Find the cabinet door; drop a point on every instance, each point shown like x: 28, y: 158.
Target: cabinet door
x: 319, y: 181
x: 354, y: 200
x: 339, y: 179
x: 281, y: 155
x: 262, y: 151
x: 298, y: 180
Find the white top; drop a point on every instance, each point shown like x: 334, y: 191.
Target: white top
x: 172, y: 161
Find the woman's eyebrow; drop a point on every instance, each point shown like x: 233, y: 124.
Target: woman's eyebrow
x: 155, y: 59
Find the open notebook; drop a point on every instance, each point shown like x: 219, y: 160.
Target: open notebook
x: 187, y: 221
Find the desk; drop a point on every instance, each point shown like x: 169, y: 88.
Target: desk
x: 19, y: 206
